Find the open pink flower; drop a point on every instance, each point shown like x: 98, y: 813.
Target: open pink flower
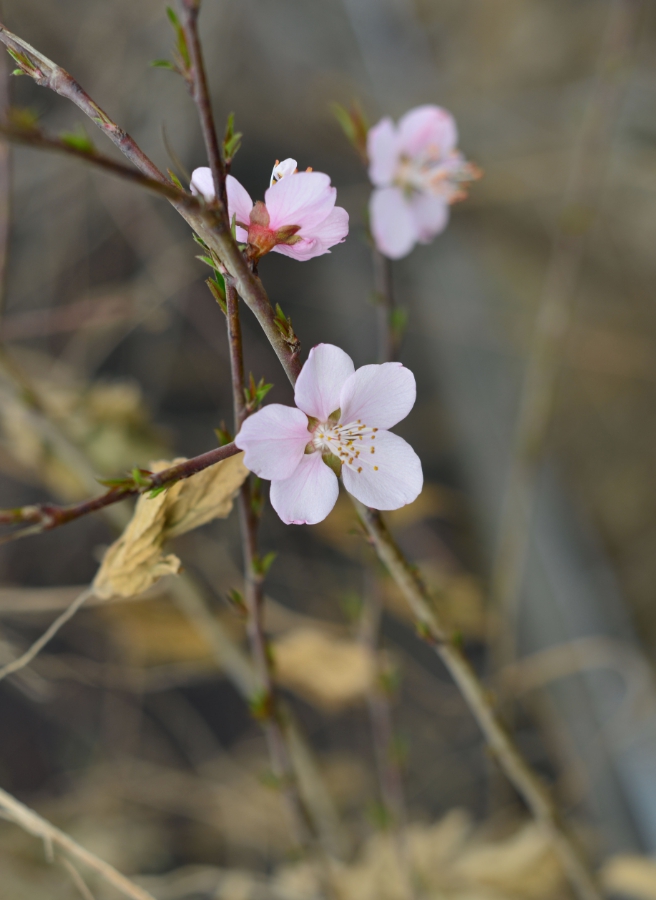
x: 298, y: 217
x: 341, y: 421
x: 417, y: 172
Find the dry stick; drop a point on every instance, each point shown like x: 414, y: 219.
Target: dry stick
x: 287, y: 349
x: 267, y: 706
x: 269, y: 710
x: 527, y: 783
x: 34, y: 824
x: 552, y: 323
x: 47, y: 516
x: 27, y: 657
x: 201, y: 95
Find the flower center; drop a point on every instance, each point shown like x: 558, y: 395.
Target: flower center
x: 430, y: 172
x: 353, y: 444
x: 286, y: 167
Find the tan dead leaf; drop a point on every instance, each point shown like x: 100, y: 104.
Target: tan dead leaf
x: 206, y: 496
x: 136, y: 560
x: 631, y: 876
x: 327, y: 671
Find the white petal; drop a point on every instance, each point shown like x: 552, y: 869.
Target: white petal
x: 392, y: 223
x: 431, y: 216
x: 378, y: 396
x: 397, y: 480
x: 202, y: 183
x: 286, y: 167
x: 319, y: 386
x: 239, y: 205
x: 383, y: 153
x: 274, y: 439
x: 309, y: 495
x: 427, y: 127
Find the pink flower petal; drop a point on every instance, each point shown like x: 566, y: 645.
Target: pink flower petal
x: 378, y: 396
x: 202, y: 184
x: 319, y: 386
x: 383, y: 153
x: 318, y: 240
x: 431, y: 215
x: 305, y: 199
x: 392, y: 223
x: 397, y: 480
x: 427, y: 126
x: 308, y: 495
x: 239, y: 205
x: 274, y: 439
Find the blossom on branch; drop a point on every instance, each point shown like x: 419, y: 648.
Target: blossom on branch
x: 340, y: 425
x: 298, y: 217
x: 417, y: 173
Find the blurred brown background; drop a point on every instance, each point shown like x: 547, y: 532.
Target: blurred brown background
x: 124, y: 731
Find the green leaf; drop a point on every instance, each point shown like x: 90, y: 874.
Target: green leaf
x: 78, y: 140
x: 354, y: 125
x: 163, y: 64
x: 207, y: 260
x: 217, y: 289
x: 262, y: 564
x: 141, y: 477
x: 157, y: 491
x: 223, y: 435
x: 181, y: 41
x: 233, y: 226
x: 398, y: 320
x: 261, y: 705
x: 174, y: 178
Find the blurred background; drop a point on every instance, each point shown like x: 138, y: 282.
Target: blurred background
x: 130, y: 730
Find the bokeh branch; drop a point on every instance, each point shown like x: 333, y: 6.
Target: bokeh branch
x: 46, y: 516
x: 190, y: 10
x: 52, y: 836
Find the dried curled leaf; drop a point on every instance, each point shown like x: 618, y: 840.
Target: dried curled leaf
x: 136, y: 560
x: 328, y: 671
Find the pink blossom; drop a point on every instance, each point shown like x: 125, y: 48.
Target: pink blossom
x: 298, y: 217
x: 417, y: 172
x: 340, y: 421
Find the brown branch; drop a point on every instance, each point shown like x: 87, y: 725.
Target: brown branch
x: 46, y: 516
x: 48, y: 74
x: 268, y: 709
x: 200, y: 92
x: 33, y: 137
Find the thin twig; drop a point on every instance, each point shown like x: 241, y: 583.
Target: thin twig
x: 46, y: 516
x: 34, y: 824
x: 200, y: 92
x: 527, y: 783
x: 46, y: 637
x: 35, y: 138
x: 249, y: 517
x: 77, y: 879
x: 48, y: 74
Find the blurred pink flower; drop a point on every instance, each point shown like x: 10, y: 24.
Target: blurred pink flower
x: 417, y: 172
x: 342, y: 416
x: 298, y: 217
